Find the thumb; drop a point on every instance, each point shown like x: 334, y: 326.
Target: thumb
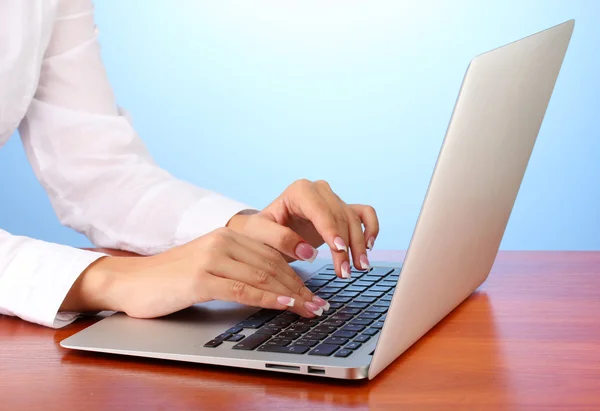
x: 283, y: 239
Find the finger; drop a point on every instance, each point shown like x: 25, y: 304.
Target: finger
x: 357, y: 241
x: 281, y: 238
x: 340, y: 216
x: 265, y: 259
x: 269, y: 259
x: 237, y: 291
x: 369, y: 219
x: 264, y: 280
x: 306, y: 202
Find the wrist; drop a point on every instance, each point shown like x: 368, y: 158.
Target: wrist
x: 98, y: 287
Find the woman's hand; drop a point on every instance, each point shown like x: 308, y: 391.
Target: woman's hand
x: 222, y: 265
x: 305, y: 216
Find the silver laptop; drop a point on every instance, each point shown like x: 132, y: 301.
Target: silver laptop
x: 377, y: 315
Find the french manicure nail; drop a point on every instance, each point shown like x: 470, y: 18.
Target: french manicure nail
x: 313, y: 308
x: 364, y: 262
x: 306, y: 252
x: 286, y: 301
x: 340, y: 244
x: 370, y: 243
x: 321, y: 302
x: 345, y: 269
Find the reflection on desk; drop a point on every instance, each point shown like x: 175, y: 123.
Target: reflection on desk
x: 528, y: 338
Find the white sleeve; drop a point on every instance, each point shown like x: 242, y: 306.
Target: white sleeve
x: 100, y: 178
x: 35, y: 277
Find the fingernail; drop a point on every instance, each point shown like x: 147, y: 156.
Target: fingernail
x: 321, y: 302
x: 286, y: 301
x: 345, y: 269
x: 370, y: 243
x: 340, y: 244
x: 313, y: 308
x: 306, y: 252
x: 364, y: 262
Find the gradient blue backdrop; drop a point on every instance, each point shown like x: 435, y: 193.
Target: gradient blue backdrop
x: 245, y: 97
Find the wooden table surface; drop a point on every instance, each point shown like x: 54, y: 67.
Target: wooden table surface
x: 528, y: 339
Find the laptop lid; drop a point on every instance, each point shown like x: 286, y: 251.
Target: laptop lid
x: 495, y: 123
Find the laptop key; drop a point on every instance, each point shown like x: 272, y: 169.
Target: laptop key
x: 361, y: 321
x: 355, y: 304
x: 372, y: 294
x: 335, y: 305
x: 308, y: 321
x: 306, y: 342
x: 352, y: 345
x: 325, y: 296
x: 380, y: 271
x: 324, y: 350
x: 369, y: 315
x: 297, y: 328
x: 318, y: 283
x: 292, y: 349
x: 362, y: 338
x: 331, y: 290
x: 343, y: 353
x: 234, y: 330
x: 289, y: 334
x: 370, y: 331
x: 376, y: 309
x: 223, y: 337
x: 278, y: 341
x: 335, y: 322
x: 361, y: 283
x: 354, y: 327
x: 349, y: 310
x: 344, y: 334
x: 386, y: 298
x: 364, y: 299
x: 315, y: 336
x: 338, y: 286
x: 268, y: 330
x: 251, y: 342
x: 355, y: 289
x: 213, y: 343
x: 379, y: 288
x: 342, y: 317
x: 338, y: 299
x: 324, y: 328
x: 385, y: 283
x: 346, y: 293
x: 378, y: 324
x: 236, y: 337
x: 313, y: 288
x: 336, y: 341
x: 381, y: 303
x: 370, y: 279
x: 252, y: 323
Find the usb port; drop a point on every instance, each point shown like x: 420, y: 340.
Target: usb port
x: 316, y: 370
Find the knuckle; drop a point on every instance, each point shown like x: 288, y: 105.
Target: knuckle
x: 238, y: 289
x: 287, y: 237
x: 263, y: 299
x: 370, y: 209
x: 302, y: 184
x: 263, y: 277
x: 341, y: 218
x: 271, y: 265
x: 323, y: 184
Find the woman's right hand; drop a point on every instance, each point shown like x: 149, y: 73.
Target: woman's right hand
x: 222, y: 265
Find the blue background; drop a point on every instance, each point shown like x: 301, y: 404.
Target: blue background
x: 245, y: 97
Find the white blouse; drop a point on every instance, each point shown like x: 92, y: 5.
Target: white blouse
x: 101, y: 180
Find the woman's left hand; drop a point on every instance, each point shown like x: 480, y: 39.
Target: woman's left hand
x: 307, y: 215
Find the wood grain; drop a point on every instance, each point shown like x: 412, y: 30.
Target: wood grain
x: 529, y: 339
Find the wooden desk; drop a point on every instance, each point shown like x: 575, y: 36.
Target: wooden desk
x: 529, y: 339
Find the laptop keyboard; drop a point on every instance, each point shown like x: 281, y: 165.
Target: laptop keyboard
x: 358, y: 310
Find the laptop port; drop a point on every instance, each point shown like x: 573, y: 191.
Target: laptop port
x: 316, y: 370
x: 282, y: 367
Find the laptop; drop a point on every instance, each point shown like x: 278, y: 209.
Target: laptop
x: 378, y: 314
